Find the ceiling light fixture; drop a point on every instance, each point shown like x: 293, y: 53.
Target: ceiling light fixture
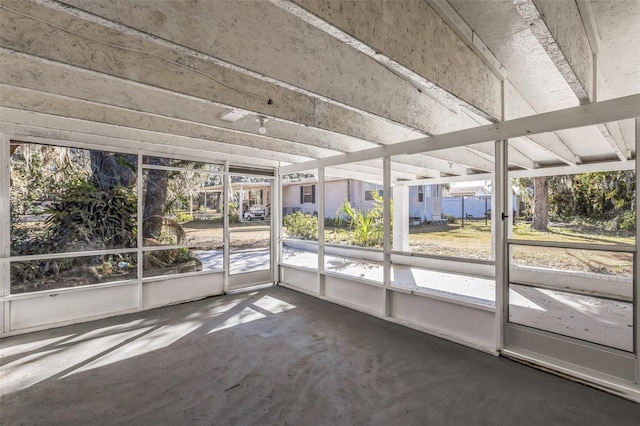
x: 232, y: 115
x: 262, y: 120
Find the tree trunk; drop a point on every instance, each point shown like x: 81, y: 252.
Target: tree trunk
x: 540, y: 203
x: 155, y: 199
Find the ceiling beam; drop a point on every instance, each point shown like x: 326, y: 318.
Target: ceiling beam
x: 429, y: 165
x: 312, y: 58
x: 590, y: 26
x: 584, y: 115
x: 470, y: 38
x: 141, y: 133
x: 70, y: 82
x: 609, y: 166
x: 613, y: 135
x: 153, y: 62
x: 408, y: 53
x: 93, y: 112
x: 188, y: 150
x: 403, y: 170
x: 516, y: 107
x: 558, y: 27
x: 365, y: 172
x: 447, y: 179
x: 464, y: 158
x: 516, y: 158
x: 89, y: 112
x: 38, y: 74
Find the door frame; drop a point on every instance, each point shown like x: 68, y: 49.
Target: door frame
x: 610, y: 369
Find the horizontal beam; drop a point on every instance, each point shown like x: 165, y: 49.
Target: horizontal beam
x: 409, y: 54
x: 609, y: 166
x: 447, y: 179
x: 590, y: 25
x: 612, y: 134
x: 584, y: 115
x: 552, y: 26
x: 133, y: 137
x: 112, y: 40
x: 47, y: 136
x: 43, y: 75
x: 171, y: 67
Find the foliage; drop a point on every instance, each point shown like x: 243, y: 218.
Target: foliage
x: 366, y: 229
x: 301, y: 225
x: 363, y: 229
x: 234, y: 213
x: 171, y: 232
x: 79, y: 214
x: 627, y: 221
x: 183, y: 217
x: 163, y: 259
x: 602, y: 196
x: 93, y: 218
x: 330, y: 222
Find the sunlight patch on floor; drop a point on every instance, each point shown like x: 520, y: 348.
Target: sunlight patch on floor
x: 244, y: 316
x: 7, y: 351
x: 157, y: 339
x: 273, y: 305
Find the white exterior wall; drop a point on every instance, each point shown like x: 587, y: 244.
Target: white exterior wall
x: 335, y: 192
x: 356, y: 189
x: 416, y: 208
x: 291, y: 198
x: 429, y: 207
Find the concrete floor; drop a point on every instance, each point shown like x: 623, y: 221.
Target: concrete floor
x: 275, y: 356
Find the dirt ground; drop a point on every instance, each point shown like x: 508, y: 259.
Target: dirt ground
x: 249, y: 234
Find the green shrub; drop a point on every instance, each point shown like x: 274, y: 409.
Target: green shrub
x: 330, y: 222
x: 95, y: 218
x: 301, y: 225
x: 628, y: 221
x: 366, y: 229
x: 183, y: 217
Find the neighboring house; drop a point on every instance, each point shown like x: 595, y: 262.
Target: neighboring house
x: 302, y: 195
x: 425, y: 203
x: 245, y: 195
x: 424, y: 200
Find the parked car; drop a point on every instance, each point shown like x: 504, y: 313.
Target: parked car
x: 255, y: 212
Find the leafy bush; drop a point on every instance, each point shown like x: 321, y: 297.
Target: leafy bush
x: 183, y: 217
x: 301, y: 225
x: 365, y: 229
x: 330, y: 222
x: 234, y: 213
x: 626, y: 221
x: 92, y: 217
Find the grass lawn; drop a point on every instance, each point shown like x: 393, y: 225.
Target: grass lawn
x: 474, y: 242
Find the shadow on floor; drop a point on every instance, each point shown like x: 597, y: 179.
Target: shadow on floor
x: 275, y: 356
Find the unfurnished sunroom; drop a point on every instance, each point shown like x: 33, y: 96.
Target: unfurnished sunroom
x: 155, y: 153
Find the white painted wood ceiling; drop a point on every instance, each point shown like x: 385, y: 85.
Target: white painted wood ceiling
x: 331, y: 77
